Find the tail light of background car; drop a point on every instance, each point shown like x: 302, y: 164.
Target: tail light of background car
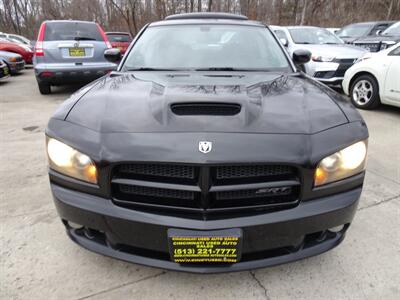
x: 39, y: 44
x: 103, y: 34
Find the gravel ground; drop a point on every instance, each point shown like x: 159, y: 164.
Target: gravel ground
x: 38, y: 261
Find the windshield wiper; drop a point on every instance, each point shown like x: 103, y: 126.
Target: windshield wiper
x: 83, y: 38
x: 330, y: 43
x: 226, y: 69
x: 153, y: 69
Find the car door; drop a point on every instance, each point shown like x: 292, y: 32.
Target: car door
x: 392, y: 82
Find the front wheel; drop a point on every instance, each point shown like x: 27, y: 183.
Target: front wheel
x: 44, y: 88
x: 364, y: 92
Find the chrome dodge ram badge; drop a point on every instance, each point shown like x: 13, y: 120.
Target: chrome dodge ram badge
x: 205, y: 146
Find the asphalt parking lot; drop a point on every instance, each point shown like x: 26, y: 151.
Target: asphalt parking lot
x: 38, y: 261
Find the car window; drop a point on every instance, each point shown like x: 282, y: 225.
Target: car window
x: 395, y: 52
x: 119, y: 38
x: 64, y: 31
x: 380, y: 27
x: 281, y: 34
x: 207, y: 46
x: 311, y: 35
x: 354, y: 30
x: 392, y: 30
x: 17, y: 38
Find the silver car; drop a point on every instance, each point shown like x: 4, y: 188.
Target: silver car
x: 14, y: 61
x: 70, y: 52
x: 331, y: 57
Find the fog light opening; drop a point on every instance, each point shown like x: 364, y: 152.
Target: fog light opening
x: 74, y: 225
x: 336, y: 229
x: 89, y: 233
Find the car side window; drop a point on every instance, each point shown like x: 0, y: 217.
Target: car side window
x: 281, y: 34
x: 395, y: 52
x: 380, y: 27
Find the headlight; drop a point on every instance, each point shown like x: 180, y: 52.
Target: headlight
x: 71, y: 162
x: 342, y: 164
x: 13, y: 59
x: 320, y: 58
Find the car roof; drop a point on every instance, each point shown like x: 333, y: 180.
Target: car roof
x: 291, y: 27
x: 118, y: 32
x: 69, y: 21
x: 371, y: 23
x: 207, y: 18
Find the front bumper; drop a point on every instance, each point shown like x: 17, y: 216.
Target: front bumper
x: 330, y: 72
x: 268, y: 239
x: 72, y: 73
x: 16, y: 67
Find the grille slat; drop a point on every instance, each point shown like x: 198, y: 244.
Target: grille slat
x: 234, y: 172
x: 269, y: 187
x: 156, y: 192
x: 174, y: 171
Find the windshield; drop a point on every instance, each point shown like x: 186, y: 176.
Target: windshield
x: 207, y: 47
x: 312, y: 35
x: 64, y: 31
x: 114, y: 37
x: 393, y: 30
x: 355, y: 30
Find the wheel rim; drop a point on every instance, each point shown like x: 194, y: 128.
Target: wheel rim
x: 362, y: 92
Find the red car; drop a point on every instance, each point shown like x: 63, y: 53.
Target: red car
x: 120, y: 40
x: 22, y: 50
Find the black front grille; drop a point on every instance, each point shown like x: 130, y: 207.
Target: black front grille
x: 372, y: 47
x: 248, y: 171
x: 158, y: 170
x: 205, y: 191
x: 205, y: 108
x: 344, y: 64
x: 156, y: 192
x: 254, y: 193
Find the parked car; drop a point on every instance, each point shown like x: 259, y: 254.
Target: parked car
x: 333, y: 30
x: 120, y: 40
x: 330, y: 56
x: 4, y: 70
x: 384, y: 40
x: 375, y: 79
x: 212, y: 155
x: 17, y: 38
x: 70, y: 52
x: 21, y: 49
x: 14, y: 61
x: 353, y: 32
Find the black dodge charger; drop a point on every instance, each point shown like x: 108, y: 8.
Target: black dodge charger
x: 207, y: 151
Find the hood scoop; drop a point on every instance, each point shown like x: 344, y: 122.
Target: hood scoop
x: 205, y: 109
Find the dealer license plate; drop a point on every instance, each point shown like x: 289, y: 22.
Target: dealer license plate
x: 76, y: 52
x: 217, y: 246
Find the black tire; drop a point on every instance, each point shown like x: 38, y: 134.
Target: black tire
x: 44, y: 88
x: 371, y: 93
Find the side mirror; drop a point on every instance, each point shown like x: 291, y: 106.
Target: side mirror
x: 301, y: 57
x: 284, y: 42
x: 113, y: 55
x: 378, y: 32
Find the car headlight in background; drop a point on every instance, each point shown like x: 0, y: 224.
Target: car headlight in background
x: 342, y: 164
x: 13, y: 59
x: 320, y: 58
x: 71, y: 162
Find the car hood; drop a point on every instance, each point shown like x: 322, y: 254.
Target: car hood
x: 7, y: 55
x: 141, y: 102
x: 380, y: 38
x: 337, y: 50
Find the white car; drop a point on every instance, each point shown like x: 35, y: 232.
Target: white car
x: 375, y: 79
